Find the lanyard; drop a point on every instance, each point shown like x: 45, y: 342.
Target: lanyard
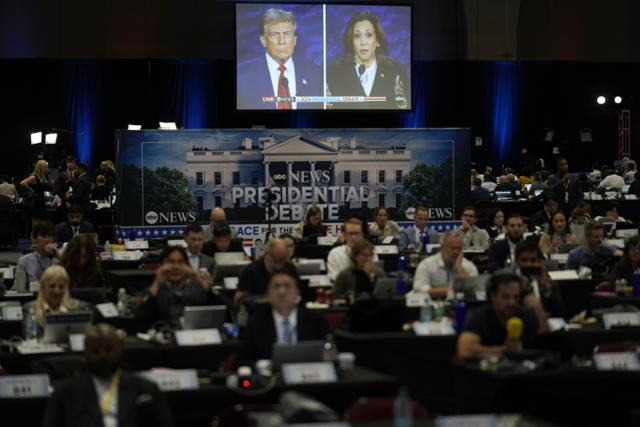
x: 108, y: 396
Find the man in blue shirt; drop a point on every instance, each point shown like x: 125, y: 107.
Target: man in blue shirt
x: 593, y: 253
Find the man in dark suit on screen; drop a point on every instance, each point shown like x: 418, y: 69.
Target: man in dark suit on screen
x: 75, y: 225
x: 284, y: 321
x: 277, y: 74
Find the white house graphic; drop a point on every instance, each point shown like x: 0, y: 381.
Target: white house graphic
x: 301, y: 162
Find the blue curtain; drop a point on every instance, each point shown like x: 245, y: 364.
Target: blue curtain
x: 418, y: 117
x: 506, y: 78
x: 83, y: 93
x: 191, y: 92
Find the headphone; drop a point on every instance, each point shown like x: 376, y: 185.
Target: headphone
x: 161, y: 333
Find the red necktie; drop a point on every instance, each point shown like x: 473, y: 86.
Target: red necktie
x: 283, y: 89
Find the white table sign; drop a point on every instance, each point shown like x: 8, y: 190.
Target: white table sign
x: 132, y: 245
x: 621, y: 319
x: 318, y: 280
x: 12, y: 386
x: 386, y: 249
x: 107, y: 309
x: 620, y: 361
x: 305, y: 373
x: 230, y: 283
x: 193, y: 337
x: 444, y: 327
x: 173, y: 379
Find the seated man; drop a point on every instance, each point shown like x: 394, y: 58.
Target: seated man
x: 222, y: 241
x: 502, y: 252
x: 479, y: 193
x: 45, y: 255
x: 472, y: 236
x: 175, y: 286
x: 284, y: 322
x: 106, y: 395
x: 593, y: 253
x: 194, y: 238
x: 485, y: 328
x: 542, y: 217
x: 435, y: 274
x: 218, y: 216
x: 412, y: 238
x: 254, y: 277
x: 339, y: 258
x: 76, y: 225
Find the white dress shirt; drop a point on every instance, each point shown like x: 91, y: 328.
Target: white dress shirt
x: 293, y: 324
x: 432, y: 272
x: 368, y: 77
x: 289, y: 73
x: 194, y: 260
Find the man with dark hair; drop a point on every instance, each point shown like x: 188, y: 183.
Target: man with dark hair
x: 593, y: 253
x: 194, y: 238
x: 479, y: 193
x: 81, y: 194
x: 254, y: 277
x: 549, y: 207
x: 473, y: 237
x: 411, y: 238
x: 503, y: 250
x: 222, y: 241
x: 75, y: 225
x: 486, y: 329
x: 567, y: 188
x: 106, y: 395
x: 45, y: 255
x: 284, y: 321
x: 277, y: 74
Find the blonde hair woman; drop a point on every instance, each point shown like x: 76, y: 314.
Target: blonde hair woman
x: 53, y: 297
x: 36, y: 184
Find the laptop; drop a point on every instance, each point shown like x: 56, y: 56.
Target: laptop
x: 227, y: 270
x: 224, y: 258
x: 302, y: 352
x: 58, y: 326
x: 310, y: 267
x: 474, y: 288
x: 625, y: 189
x: 503, y: 196
x: 385, y: 288
x: 204, y: 317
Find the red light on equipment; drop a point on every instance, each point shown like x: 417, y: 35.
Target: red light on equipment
x: 246, y: 383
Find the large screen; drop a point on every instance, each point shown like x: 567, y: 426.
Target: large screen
x: 322, y: 57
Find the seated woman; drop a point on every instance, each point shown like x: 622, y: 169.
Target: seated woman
x: 81, y: 262
x: 283, y: 321
x: 629, y: 263
x: 362, y: 276
x: 311, y: 227
x: 383, y: 226
x: 53, y: 297
x: 496, y: 224
x: 557, y: 235
x: 175, y: 286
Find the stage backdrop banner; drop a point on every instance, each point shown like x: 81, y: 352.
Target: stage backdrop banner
x: 260, y: 176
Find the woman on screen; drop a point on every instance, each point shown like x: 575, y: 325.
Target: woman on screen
x: 365, y: 69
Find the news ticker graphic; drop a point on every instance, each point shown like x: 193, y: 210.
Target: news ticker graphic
x: 320, y: 99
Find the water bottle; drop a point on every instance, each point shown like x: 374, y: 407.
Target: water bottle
x: 31, y: 326
x: 636, y: 283
x: 403, y: 409
x: 426, y: 311
x: 330, y: 353
x: 459, y: 309
x: 508, y: 264
x: 122, y: 301
x: 403, y: 263
x: 425, y: 240
x: 401, y: 288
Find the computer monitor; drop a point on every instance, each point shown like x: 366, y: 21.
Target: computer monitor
x: 504, y: 196
x: 58, y: 326
x: 474, y: 288
x: 227, y: 270
x: 225, y: 258
x: 625, y: 189
x: 204, y: 317
x: 302, y: 352
x: 310, y: 268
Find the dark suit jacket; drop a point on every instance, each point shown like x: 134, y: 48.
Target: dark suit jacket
x: 343, y: 80
x: 634, y: 188
x: 254, y: 82
x: 539, y: 219
x: 480, y: 194
x: 498, y: 253
x: 260, y: 334
x: 64, y: 232
x: 75, y: 403
x: 576, y: 194
x: 209, y: 248
x: 82, y: 192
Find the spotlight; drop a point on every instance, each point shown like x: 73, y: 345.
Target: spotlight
x: 51, y: 138
x: 168, y: 125
x: 134, y: 127
x: 601, y: 100
x: 36, y: 138
x: 617, y: 100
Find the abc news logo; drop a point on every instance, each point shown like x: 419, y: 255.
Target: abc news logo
x: 153, y: 217
x: 279, y: 176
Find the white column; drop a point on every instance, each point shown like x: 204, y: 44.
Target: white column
x: 289, y: 170
x: 313, y: 169
x: 267, y: 180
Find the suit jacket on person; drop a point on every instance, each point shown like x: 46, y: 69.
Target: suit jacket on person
x: 576, y: 194
x: 343, y: 80
x: 409, y: 236
x: 207, y: 262
x: 64, y: 232
x: 74, y: 403
x: 254, y: 82
x: 82, y: 192
x: 261, y: 334
x: 498, y: 254
x: 539, y: 219
x: 480, y: 194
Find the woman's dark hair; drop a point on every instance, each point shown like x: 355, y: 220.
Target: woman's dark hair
x: 166, y: 252
x: 358, y: 247
x: 312, y: 211
x: 377, y: 210
x: 631, y: 243
x: 492, y: 215
x: 347, y: 37
x: 551, y: 230
x: 89, y: 274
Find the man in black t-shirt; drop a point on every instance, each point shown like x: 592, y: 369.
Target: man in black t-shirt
x: 485, y: 329
x: 222, y: 241
x: 254, y: 277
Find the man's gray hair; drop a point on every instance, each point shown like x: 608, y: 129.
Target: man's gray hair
x: 268, y: 247
x: 450, y: 235
x: 274, y: 16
